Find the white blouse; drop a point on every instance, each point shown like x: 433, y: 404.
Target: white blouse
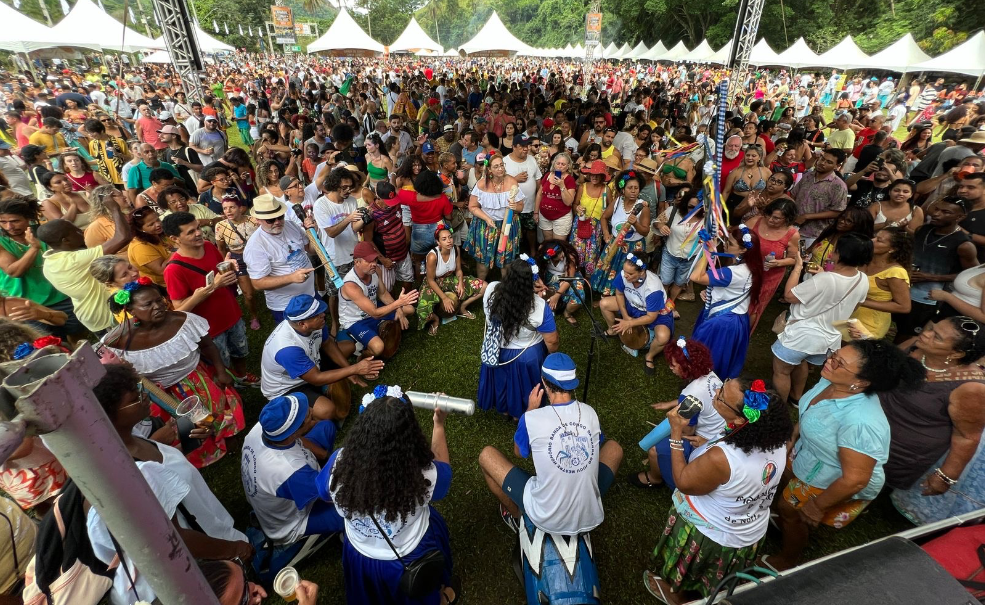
x: 174, y: 359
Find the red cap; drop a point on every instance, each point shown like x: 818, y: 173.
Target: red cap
x: 365, y: 251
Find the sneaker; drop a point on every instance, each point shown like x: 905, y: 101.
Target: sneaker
x: 247, y: 380
x: 511, y: 521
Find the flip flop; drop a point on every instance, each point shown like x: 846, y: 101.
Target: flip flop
x: 649, y: 368
x: 634, y: 480
x: 433, y: 330
x: 467, y: 315
x: 571, y: 320
x: 659, y: 594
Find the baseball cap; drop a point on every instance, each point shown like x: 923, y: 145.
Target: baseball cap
x: 4, y: 145
x: 365, y: 251
x: 283, y: 416
x: 286, y: 180
x: 842, y: 114
x: 209, y: 118
x: 304, y: 306
x: 428, y: 147
x: 448, y: 128
x: 522, y: 139
x: 169, y: 129
x: 164, y: 115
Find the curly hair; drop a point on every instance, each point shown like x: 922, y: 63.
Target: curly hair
x: 624, y: 177
x: 263, y: 172
x: 770, y: 432
x: 380, y: 470
x: 406, y: 169
x: 696, y: 364
x: 12, y: 334
x: 333, y: 181
x: 119, y: 380
x: 571, y: 254
x: 23, y: 206
x: 901, y: 246
x: 116, y: 307
x: 861, y: 219
x: 885, y: 366
x: 136, y: 219
x: 970, y: 343
x: 512, y: 302
x: 97, y: 200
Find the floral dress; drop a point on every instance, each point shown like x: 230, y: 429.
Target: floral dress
x: 447, y: 280
x: 483, y: 241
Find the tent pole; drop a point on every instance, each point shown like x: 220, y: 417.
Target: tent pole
x: 30, y: 65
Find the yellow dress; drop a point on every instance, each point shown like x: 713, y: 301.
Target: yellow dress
x: 878, y: 322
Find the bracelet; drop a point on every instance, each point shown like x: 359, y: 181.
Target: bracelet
x: 948, y: 480
x: 676, y: 441
x: 678, y: 448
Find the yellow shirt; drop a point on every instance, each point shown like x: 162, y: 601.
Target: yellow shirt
x: 876, y: 322
x: 68, y: 272
x: 53, y: 144
x: 142, y: 253
x: 101, y: 231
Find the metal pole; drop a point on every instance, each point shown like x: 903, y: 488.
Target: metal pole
x: 54, y: 396
x: 44, y: 11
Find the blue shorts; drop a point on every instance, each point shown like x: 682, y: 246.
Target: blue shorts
x: 233, y: 343
x: 364, y: 330
x: 516, y: 481
x: 674, y: 270
x: 422, y: 237
x: 794, y: 358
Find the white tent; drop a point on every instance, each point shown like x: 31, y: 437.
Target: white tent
x: 763, y: 54
x: 623, y: 52
x: 345, y: 38
x: 655, y: 53
x: 844, y: 55
x: 638, y: 51
x: 799, y: 55
x: 677, y: 53
x: 413, y: 39
x: 568, y: 51
x: 579, y: 50
x: 966, y: 58
x: 721, y: 56
x: 163, y: 56
x: 608, y: 51
x: 22, y: 34
x: 86, y: 22
x: 494, y: 40
x: 207, y: 43
x: 701, y: 53
x: 901, y: 56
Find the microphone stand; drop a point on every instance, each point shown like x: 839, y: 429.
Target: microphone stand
x: 596, y: 330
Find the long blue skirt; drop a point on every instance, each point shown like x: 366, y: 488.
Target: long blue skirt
x: 376, y: 582
x: 728, y: 336
x: 507, y: 387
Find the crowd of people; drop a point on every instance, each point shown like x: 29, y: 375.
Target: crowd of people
x: 364, y: 198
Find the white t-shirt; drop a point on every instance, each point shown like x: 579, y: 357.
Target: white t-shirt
x: 349, y: 311
x: 276, y: 255
x: 529, y: 187
x: 704, y: 388
x: 541, y: 318
x: 813, y: 332
x: 625, y: 144
x: 328, y: 213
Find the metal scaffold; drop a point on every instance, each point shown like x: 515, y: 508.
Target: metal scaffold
x: 179, y: 35
x: 745, y: 36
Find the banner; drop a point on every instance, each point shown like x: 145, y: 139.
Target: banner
x: 593, y: 28
x: 283, y: 21
x: 303, y: 29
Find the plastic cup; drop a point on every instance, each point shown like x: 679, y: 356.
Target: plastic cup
x: 286, y: 584
x: 192, y: 408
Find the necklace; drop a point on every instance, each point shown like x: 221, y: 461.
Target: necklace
x: 562, y: 422
x: 935, y: 370
x: 928, y: 234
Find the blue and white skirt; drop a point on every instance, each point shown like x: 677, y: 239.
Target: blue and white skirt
x: 506, y: 387
x: 727, y: 336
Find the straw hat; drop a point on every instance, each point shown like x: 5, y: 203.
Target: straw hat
x: 266, y: 207
x: 647, y: 166
x: 613, y: 162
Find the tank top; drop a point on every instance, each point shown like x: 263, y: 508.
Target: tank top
x: 938, y: 254
x: 349, y: 313
x: 736, y: 513
x: 376, y: 174
x: 920, y: 427
x: 594, y: 206
x: 32, y: 285
x: 81, y: 183
x: 619, y: 217
x: 881, y: 218
x: 444, y: 267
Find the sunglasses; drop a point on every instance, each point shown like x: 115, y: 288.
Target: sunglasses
x: 142, y: 396
x: 271, y: 221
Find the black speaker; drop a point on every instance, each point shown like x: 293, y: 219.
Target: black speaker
x: 894, y: 571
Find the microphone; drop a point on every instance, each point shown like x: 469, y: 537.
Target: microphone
x: 299, y: 211
x: 446, y: 403
x: 689, y: 407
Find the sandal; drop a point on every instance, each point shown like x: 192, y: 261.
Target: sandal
x: 467, y: 315
x: 455, y: 584
x: 433, y: 329
x: 659, y: 593
x: 571, y: 320
x: 254, y: 324
x: 649, y: 367
x: 646, y: 483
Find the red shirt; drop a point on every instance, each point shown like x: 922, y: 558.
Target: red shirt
x: 220, y: 310
x: 768, y: 145
x: 863, y: 138
x: 728, y: 165
x: 423, y: 212
x: 552, y: 206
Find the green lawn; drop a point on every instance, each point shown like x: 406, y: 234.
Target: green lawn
x: 620, y: 392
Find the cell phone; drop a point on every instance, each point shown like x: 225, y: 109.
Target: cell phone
x: 210, y: 278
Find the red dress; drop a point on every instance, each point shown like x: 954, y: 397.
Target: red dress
x: 772, y: 278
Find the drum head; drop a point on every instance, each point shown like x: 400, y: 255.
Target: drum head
x: 341, y: 394
x: 390, y: 333
x: 635, y: 338
x: 439, y: 308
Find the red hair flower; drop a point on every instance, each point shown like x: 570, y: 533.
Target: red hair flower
x: 758, y: 386
x: 144, y: 281
x: 551, y: 252
x: 47, y: 341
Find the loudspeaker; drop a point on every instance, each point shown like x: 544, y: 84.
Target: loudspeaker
x: 894, y: 571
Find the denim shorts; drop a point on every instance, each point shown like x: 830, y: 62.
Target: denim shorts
x: 233, y: 342
x: 422, y: 237
x: 674, y: 269
x: 794, y: 358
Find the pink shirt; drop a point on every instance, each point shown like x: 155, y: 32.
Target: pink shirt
x: 148, y: 128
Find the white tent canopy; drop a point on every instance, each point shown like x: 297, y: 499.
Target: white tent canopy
x: 414, y: 39
x: 609, y: 51
x: 901, y: 56
x: 86, y: 22
x: 163, y: 56
x: 966, y: 58
x: 494, y: 39
x: 623, y: 52
x: 655, y: 53
x: 568, y: 51
x: 799, y: 55
x: 701, y: 53
x: 763, y: 54
x: 22, y: 34
x: 345, y: 38
x: 207, y: 44
x: 844, y: 55
x: 579, y: 50
x: 721, y: 56
x: 638, y: 51
x: 677, y: 53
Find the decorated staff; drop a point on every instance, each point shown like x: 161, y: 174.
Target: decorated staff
x: 489, y: 203
x: 625, y: 225
x: 316, y: 242
x: 508, y: 220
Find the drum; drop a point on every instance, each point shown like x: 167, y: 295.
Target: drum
x: 558, y: 569
x: 390, y: 333
x: 439, y: 308
x: 341, y: 394
x: 635, y: 338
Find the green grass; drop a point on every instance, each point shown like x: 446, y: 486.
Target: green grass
x: 620, y: 393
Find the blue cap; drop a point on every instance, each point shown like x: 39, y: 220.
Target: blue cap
x: 4, y: 145
x: 428, y: 147
x: 304, y: 306
x: 283, y: 416
x: 558, y: 368
x: 522, y: 139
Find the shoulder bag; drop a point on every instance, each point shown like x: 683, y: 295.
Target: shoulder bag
x: 422, y: 576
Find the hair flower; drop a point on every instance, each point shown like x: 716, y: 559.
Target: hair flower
x: 145, y: 281
x: 758, y: 386
x: 681, y: 345
x: 551, y: 252
x: 131, y: 286
x: 636, y: 260
x: 122, y: 297
x: 755, y: 400
x: 47, y: 341
x: 23, y: 350
x: 380, y: 391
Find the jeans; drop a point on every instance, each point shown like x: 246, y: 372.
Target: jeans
x: 232, y: 343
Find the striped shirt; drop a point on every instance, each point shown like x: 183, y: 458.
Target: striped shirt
x: 388, y: 233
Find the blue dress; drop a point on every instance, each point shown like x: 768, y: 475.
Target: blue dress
x: 724, y: 324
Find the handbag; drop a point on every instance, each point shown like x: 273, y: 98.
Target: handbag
x: 490, y: 352
x: 421, y: 577
x: 584, y: 226
x: 781, y: 322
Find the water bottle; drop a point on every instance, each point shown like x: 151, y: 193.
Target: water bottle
x: 767, y: 260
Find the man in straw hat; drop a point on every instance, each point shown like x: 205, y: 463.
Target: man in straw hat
x: 276, y: 256
x: 574, y: 465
